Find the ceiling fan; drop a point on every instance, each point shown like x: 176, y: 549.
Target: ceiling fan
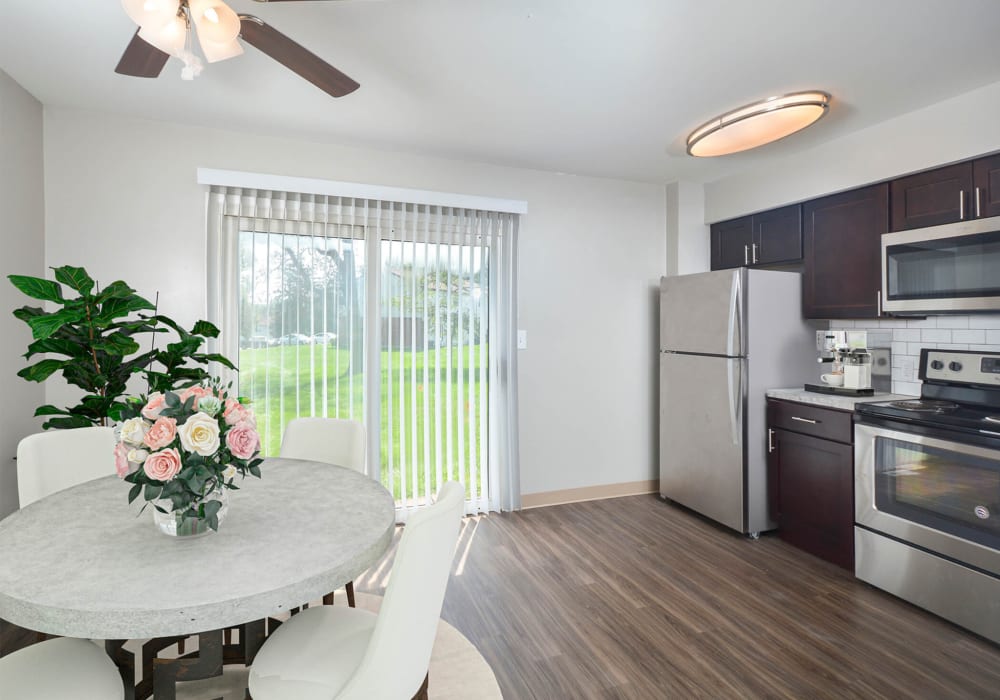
x: 165, y: 30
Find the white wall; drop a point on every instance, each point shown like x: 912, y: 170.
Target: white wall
x: 688, y: 249
x: 21, y: 239
x: 121, y: 200
x: 949, y: 131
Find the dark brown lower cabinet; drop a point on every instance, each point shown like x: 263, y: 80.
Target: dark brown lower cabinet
x: 811, y: 485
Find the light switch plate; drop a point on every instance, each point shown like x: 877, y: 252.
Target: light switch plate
x: 522, y: 340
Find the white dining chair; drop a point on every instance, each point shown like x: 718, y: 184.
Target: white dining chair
x: 331, y: 440
x: 60, y: 668
x: 57, y: 459
x: 328, y: 653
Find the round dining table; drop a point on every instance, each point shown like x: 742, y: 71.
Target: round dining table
x: 82, y: 563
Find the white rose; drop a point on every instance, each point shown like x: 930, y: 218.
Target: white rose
x: 200, y: 434
x: 229, y: 472
x: 134, y: 430
x: 209, y: 405
x: 137, y: 456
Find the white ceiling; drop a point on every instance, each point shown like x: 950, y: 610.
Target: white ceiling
x: 606, y: 88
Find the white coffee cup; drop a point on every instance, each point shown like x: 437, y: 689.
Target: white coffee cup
x: 832, y: 379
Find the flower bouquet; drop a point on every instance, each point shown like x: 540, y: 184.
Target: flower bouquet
x: 183, y: 450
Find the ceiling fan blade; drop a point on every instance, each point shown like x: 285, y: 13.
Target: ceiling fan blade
x: 141, y: 60
x: 295, y: 57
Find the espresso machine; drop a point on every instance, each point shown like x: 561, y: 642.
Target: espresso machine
x: 849, y: 366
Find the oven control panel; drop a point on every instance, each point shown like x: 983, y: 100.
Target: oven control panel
x: 961, y: 367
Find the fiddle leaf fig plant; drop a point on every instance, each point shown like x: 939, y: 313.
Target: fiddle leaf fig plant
x: 92, y: 338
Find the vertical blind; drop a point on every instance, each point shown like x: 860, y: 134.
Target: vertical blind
x: 400, y: 315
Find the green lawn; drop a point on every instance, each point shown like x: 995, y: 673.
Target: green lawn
x: 306, y: 390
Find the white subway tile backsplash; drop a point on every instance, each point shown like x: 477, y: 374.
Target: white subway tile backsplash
x: 968, y: 336
x: 907, y: 337
x: 935, y: 335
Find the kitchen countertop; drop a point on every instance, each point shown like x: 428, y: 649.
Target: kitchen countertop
x: 837, y: 401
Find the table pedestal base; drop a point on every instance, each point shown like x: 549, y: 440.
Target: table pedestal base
x: 160, y: 675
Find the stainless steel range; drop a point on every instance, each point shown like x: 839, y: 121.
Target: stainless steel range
x: 927, y: 494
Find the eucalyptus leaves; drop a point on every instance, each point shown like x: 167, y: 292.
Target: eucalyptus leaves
x: 92, y: 338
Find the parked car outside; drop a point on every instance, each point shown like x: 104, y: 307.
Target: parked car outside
x: 326, y: 338
x: 295, y: 339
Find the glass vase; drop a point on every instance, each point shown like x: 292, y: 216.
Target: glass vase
x: 173, y: 523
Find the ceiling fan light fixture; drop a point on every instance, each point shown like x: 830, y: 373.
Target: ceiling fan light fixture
x: 757, y: 124
x: 219, y: 52
x: 168, y: 36
x: 216, y: 21
x: 144, y: 12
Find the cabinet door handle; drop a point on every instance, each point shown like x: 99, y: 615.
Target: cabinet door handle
x: 746, y: 254
x: 978, y: 213
x: 878, y: 302
x: 754, y: 253
x: 770, y: 441
x: 806, y: 420
x: 961, y: 204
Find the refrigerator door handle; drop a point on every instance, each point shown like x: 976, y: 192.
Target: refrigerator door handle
x: 733, y: 401
x: 734, y: 316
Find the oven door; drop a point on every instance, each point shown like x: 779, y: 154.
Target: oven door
x: 930, y: 491
x: 955, y: 267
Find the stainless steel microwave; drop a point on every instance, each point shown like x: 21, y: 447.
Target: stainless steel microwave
x: 941, y: 269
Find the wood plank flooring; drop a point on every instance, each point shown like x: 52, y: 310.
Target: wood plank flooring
x: 636, y: 598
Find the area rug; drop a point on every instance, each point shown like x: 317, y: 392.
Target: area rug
x: 457, y: 669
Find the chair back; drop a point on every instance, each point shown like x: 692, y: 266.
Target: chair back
x: 399, y: 651
x: 332, y: 440
x: 57, y: 459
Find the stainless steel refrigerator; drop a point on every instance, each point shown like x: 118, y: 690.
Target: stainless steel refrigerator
x: 726, y: 337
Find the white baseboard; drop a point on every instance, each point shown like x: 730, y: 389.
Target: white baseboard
x: 588, y: 493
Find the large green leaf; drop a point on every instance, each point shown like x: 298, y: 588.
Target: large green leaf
x: 117, y: 307
x: 45, y: 325
x: 68, y: 423
x: 58, y: 345
x: 50, y: 410
x: 37, y: 288
x: 215, y: 357
x: 25, y: 313
x: 117, y: 344
x: 75, y: 278
x: 41, y: 371
x: 206, y: 329
x: 115, y: 289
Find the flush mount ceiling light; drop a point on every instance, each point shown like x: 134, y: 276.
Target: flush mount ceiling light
x: 758, y: 123
x: 167, y: 28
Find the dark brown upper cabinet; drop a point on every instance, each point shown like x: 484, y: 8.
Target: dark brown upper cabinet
x: 731, y: 241
x: 935, y: 197
x: 986, y: 186
x: 842, y: 252
x: 969, y: 190
x: 769, y: 238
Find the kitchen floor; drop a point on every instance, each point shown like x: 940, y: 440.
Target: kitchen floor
x: 635, y: 598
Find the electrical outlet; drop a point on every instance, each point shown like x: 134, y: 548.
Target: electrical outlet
x: 522, y: 340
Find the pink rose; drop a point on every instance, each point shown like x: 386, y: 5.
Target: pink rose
x: 197, y: 392
x: 236, y: 412
x: 121, y: 460
x: 162, y: 465
x: 162, y: 433
x: 155, y: 404
x: 243, y: 440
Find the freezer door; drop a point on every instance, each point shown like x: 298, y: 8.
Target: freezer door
x: 703, y: 313
x: 701, y: 435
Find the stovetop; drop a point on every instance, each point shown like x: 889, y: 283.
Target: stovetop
x: 935, y: 413
x: 960, y: 391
